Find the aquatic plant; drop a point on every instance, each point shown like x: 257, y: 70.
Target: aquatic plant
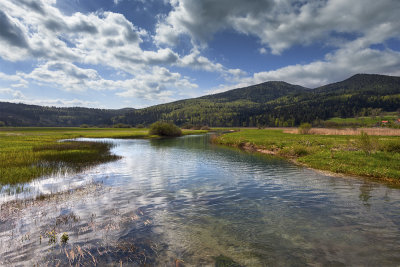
x: 64, y: 238
x: 52, y: 236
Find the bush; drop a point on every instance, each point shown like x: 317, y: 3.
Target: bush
x: 304, y: 128
x: 84, y: 126
x: 164, y: 129
x: 2, y: 124
x: 140, y: 126
x: 365, y: 144
x: 205, y: 128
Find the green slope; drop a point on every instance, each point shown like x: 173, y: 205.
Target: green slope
x: 280, y: 103
x: 31, y: 115
x: 266, y: 104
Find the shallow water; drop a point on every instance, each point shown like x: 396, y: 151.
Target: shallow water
x: 183, y: 199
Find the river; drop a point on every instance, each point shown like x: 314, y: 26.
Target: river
x: 184, y: 201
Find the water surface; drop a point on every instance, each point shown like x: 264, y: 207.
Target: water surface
x: 185, y: 200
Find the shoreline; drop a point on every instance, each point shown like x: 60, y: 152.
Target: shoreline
x: 251, y: 148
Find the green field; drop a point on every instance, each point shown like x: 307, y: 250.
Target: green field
x: 377, y: 157
x: 28, y: 153
x: 369, y: 121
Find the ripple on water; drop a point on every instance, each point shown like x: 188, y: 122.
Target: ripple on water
x: 187, y: 199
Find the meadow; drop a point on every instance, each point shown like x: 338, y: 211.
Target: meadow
x: 356, y: 153
x: 29, y: 152
x: 366, y: 121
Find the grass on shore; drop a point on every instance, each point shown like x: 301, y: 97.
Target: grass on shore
x: 30, y: 152
x: 377, y: 157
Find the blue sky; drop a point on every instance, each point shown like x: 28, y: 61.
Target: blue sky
x: 136, y: 53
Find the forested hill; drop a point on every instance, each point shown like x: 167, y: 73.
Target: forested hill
x: 260, y: 93
x: 31, y: 115
x: 266, y: 104
x: 280, y: 104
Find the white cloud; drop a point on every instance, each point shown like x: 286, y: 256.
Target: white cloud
x: 279, y: 24
x: 262, y: 50
x: 38, y: 30
x: 155, y: 83
x: 337, y: 66
x: 59, y: 102
x: 19, y: 81
x: 60, y: 43
x: 14, y: 93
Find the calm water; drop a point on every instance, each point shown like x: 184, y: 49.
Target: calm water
x: 183, y: 199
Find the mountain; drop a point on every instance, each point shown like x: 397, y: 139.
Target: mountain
x: 267, y: 104
x: 280, y: 103
x: 231, y: 108
x: 31, y: 115
x: 360, y: 95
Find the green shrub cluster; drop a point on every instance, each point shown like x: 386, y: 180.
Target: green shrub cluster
x: 304, y: 128
x: 162, y: 128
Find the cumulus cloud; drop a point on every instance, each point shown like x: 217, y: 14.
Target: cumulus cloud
x: 61, y: 44
x: 38, y: 30
x: 335, y: 67
x: 59, y: 102
x: 19, y: 81
x: 154, y: 83
x: 16, y: 94
x: 279, y: 24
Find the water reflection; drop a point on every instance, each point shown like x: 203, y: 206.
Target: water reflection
x: 184, y: 199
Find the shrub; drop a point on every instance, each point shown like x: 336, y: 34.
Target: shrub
x: 205, y: 128
x: 365, y: 144
x: 164, y: 129
x: 84, y: 126
x: 304, y: 128
x: 2, y: 124
x: 140, y: 126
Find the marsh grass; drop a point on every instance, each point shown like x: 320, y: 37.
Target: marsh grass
x: 30, y: 152
x: 366, y: 155
x: 27, y: 153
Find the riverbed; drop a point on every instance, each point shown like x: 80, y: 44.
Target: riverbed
x: 185, y: 201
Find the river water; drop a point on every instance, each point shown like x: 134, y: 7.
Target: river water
x: 184, y: 201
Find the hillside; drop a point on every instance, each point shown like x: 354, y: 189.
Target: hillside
x: 280, y: 103
x: 266, y: 104
x: 31, y: 115
x: 231, y: 108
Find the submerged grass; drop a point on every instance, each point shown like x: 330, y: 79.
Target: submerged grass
x: 377, y: 157
x: 30, y: 152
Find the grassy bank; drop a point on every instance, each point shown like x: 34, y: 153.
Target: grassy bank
x: 27, y: 153
x: 377, y: 157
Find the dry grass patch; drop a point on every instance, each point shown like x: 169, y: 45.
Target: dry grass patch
x: 348, y: 131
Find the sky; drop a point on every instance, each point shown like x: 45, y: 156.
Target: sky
x: 138, y: 53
